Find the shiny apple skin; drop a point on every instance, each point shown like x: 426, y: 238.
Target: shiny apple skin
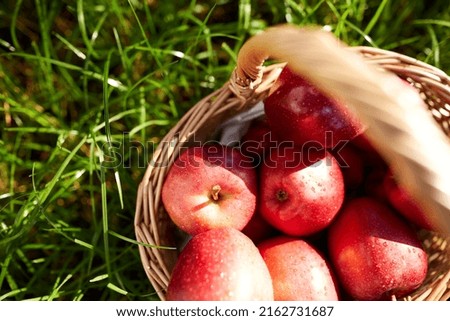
x: 300, y: 191
x: 220, y: 265
x: 299, y: 271
x: 298, y: 112
x: 374, y: 253
x: 188, y: 187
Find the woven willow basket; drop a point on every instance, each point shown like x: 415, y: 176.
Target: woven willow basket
x: 411, y: 134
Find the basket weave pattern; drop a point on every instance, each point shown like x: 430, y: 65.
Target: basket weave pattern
x: 251, y: 83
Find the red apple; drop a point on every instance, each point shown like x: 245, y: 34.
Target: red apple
x: 374, y: 253
x: 300, y: 113
x: 404, y: 203
x: 299, y: 272
x: 220, y: 265
x: 300, y: 192
x: 208, y: 187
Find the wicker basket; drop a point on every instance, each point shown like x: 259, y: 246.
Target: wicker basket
x: 412, y: 135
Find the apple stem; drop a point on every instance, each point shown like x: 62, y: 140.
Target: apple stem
x: 215, y: 190
x: 282, y: 195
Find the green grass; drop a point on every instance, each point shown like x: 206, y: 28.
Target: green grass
x: 83, y: 82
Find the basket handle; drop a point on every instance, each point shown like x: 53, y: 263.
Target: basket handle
x: 399, y: 124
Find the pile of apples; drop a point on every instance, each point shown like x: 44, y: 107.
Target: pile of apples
x: 303, y: 209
